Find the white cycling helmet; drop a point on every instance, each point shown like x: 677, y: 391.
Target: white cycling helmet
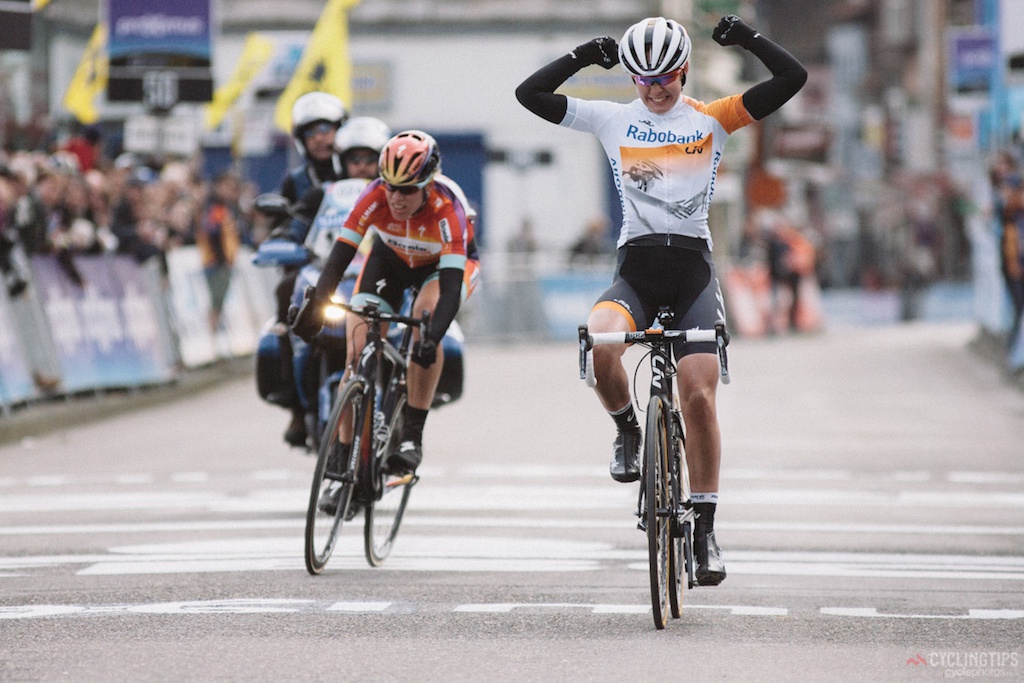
x: 314, y: 107
x: 654, y: 46
x: 361, y: 132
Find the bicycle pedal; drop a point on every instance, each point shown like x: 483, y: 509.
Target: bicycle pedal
x: 400, y: 481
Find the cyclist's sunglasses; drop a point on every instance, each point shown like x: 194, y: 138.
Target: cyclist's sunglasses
x: 662, y: 80
x: 402, y: 189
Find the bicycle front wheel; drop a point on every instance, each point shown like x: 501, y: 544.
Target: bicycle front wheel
x: 330, y: 498
x: 658, y: 507
x: 384, y: 516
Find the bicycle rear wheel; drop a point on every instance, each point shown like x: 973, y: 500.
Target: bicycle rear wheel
x: 330, y: 497
x: 385, y: 515
x: 658, y: 507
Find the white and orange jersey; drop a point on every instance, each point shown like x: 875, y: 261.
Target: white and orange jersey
x: 664, y: 164
x: 439, y: 233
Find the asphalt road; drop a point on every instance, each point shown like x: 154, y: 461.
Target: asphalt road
x: 871, y: 519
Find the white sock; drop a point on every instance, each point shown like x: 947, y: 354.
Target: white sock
x: 704, y: 497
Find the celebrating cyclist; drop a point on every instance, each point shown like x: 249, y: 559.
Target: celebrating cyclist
x: 664, y: 149
x: 424, y: 240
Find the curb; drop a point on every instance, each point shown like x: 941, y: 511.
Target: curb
x: 42, y: 417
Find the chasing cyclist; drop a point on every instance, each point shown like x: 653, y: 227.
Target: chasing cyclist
x: 664, y: 149
x: 424, y: 240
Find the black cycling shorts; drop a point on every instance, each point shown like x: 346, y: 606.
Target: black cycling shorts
x: 385, y: 277
x: 683, y: 279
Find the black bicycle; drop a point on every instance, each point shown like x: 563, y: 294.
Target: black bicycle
x: 348, y: 479
x: 664, y: 508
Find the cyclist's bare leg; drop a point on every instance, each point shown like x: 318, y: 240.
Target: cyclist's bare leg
x: 612, y: 381
x: 355, y: 340
x: 423, y: 381
x: 698, y: 382
x: 613, y: 391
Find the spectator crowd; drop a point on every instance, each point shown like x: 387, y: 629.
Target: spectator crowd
x: 74, y: 200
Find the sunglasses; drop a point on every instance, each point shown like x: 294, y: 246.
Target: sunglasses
x: 402, y: 189
x: 319, y: 129
x: 361, y: 158
x: 662, y: 80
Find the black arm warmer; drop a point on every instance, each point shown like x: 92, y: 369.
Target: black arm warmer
x: 337, y: 261
x: 537, y: 92
x: 450, y: 280
x: 788, y: 76
x: 304, y: 211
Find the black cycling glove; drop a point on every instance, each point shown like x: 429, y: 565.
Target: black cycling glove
x: 731, y: 30
x: 424, y: 352
x: 307, y: 319
x: 603, y: 51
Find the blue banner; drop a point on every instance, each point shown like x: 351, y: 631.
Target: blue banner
x: 164, y: 29
x: 106, y: 331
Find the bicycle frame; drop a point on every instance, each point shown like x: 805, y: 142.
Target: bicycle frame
x: 664, y: 509
x: 378, y: 355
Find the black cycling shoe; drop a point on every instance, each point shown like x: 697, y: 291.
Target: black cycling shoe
x: 710, y: 568
x: 329, y: 499
x: 625, y: 465
x: 328, y: 503
x: 337, y: 461
x: 296, y: 435
x: 406, y: 459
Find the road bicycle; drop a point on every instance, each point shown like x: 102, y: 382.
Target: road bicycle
x: 369, y: 406
x: 664, y: 509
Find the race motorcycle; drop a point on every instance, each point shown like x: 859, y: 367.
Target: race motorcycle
x: 311, y: 373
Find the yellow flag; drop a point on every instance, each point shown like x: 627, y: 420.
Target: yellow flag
x: 39, y: 4
x: 90, y: 78
x: 325, y: 63
x: 255, y: 54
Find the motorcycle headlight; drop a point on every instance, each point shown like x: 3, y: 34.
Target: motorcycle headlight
x: 333, y: 313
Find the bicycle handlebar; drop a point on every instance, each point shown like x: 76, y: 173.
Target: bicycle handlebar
x: 588, y: 341
x: 374, y: 313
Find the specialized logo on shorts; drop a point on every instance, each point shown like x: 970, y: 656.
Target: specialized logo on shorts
x: 381, y: 284
x: 446, y: 230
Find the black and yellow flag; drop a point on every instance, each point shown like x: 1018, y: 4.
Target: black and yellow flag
x: 258, y: 49
x: 90, y: 78
x: 325, y: 64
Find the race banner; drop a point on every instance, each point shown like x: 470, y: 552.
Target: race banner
x: 105, y: 330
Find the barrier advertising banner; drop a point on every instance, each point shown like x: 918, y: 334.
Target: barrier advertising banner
x: 105, y: 331
x: 15, y: 376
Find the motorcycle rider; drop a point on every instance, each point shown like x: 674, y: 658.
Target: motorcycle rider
x: 316, y: 119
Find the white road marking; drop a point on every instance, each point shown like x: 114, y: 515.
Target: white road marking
x: 292, y: 606
x: 617, y: 521
x: 872, y: 612
x: 435, y: 496
x: 534, y: 472
x: 422, y: 552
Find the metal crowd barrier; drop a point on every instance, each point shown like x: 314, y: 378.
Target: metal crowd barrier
x: 126, y: 325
